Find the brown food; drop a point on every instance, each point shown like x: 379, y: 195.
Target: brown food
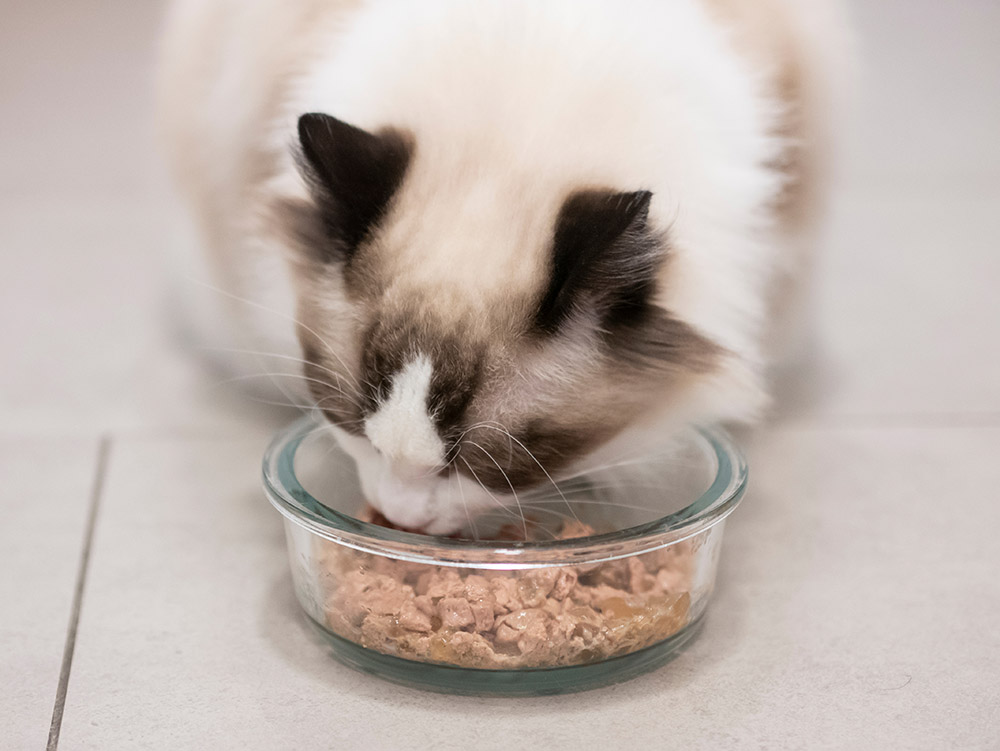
x: 507, y: 619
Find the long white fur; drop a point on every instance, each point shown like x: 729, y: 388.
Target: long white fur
x: 667, y: 102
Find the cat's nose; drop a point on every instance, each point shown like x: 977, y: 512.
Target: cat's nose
x: 409, y: 472
x: 404, y: 443
x: 406, y: 498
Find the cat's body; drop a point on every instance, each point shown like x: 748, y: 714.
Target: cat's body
x: 467, y: 292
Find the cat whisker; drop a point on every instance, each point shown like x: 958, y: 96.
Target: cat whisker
x: 604, y: 504
x: 329, y: 422
x: 280, y: 314
x: 469, y: 429
x: 651, y: 460
x: 554, y: 512
x: 534, y: 459
x: 336, y: 374
x: 340, y: 392
x: 305, y: 408
x: 502, y: 506
x: 619, y: 490
x: 468, y: 514
x: 517, y: 500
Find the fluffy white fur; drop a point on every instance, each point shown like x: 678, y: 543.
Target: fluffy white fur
x: 683, y: 88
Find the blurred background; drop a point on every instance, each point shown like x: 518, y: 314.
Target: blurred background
x: 129, y: 508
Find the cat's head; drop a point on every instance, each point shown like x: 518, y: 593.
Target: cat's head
x: 469, y: 342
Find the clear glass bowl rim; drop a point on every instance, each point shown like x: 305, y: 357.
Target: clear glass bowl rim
x: 287, y: 495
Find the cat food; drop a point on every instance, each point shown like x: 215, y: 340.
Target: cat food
x: 505, y: 619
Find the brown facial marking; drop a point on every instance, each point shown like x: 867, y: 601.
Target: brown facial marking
x: 530, y: 455
x: 457, y: 376
x: 334, y: 395
x: 397, y: 337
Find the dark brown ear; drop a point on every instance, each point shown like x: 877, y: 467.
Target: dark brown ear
x: 605, y: 261
x: 352, y: 175
x: 603, y: 257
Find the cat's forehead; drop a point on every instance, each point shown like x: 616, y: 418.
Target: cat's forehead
x: 473, y: 245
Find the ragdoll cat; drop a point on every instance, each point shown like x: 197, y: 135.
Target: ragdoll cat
x: 506, y: 239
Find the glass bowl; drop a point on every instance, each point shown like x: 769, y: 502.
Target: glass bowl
x: 551, y: 614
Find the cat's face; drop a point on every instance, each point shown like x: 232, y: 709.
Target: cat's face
x: 466, y: 360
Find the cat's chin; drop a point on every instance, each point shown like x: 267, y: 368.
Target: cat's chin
x: 452, y: 521
x: 438, y: 506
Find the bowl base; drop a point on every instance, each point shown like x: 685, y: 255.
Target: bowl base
x: 450, y: 679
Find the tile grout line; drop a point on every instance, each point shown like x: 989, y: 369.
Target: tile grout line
x: 103, y: 451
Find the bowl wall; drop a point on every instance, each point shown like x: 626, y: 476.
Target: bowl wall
x: 511, y: 618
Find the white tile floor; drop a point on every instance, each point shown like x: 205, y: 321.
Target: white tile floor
x: 858, y: 603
